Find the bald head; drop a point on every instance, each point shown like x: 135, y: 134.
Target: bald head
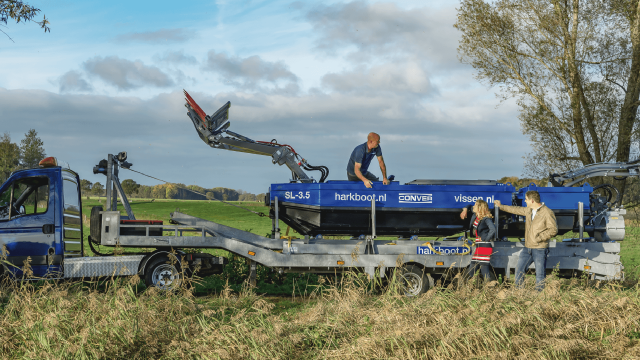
x: 373, y: 140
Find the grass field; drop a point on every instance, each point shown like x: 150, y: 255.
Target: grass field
x: 350, y: 319
x: 114, y: 320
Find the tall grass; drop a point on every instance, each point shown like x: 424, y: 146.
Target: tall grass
x: 112, y: 319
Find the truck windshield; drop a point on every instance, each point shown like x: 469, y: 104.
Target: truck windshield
x: 30, y: 196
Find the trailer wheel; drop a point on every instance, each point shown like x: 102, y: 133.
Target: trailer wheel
x: 95, y: 223
x: 415, y: 281
x: 163, y: 274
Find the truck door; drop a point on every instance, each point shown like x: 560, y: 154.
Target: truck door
x: 27, y: 227
x: 71, y: 215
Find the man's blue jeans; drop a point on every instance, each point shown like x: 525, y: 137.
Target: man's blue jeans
x: 537, y: 257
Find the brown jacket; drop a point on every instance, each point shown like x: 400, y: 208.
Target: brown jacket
x: 537, y: 232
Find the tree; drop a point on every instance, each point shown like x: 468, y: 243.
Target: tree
x: 97, y: 188
x: 159, y: 192
x: 573, y: 67
x: 31, y: 150
x: 129, y: 187
x: 144, y: 191
x: 85, y: 186
x: 9, y: 157
x: 19, y: 11
x: 172, y: 192
x: 520, y: 183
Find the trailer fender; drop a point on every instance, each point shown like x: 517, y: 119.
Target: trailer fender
x: 158, y: 253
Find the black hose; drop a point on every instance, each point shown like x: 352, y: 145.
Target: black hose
x: 315, y: 168
x: 605, y: 187
x: 618, y: 198
x: 608, y: 188
x: 323, y: 170
x: 96, y: 251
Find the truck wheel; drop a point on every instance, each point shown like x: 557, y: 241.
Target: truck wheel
x: 415, y: 281
x: 95, y: 225
x: 163, y: 274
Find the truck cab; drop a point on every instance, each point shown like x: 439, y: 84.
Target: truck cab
x: 40, y: 221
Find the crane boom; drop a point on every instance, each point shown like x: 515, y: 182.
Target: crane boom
x: 214, y: 131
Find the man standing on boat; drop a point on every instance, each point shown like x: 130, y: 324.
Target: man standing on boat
x: 357, y: 168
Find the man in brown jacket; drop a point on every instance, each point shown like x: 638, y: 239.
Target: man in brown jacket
x: 540, y: 226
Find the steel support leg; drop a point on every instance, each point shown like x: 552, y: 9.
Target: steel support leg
x: 496, y: 222
x: 108, y: 186
x: 276, y: 228
x: 252, y: 273
x: 373, y: 217
x: 581, y: 220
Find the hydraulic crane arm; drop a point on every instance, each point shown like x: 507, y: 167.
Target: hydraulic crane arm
x: 617, y: 170
x: 214, y: 131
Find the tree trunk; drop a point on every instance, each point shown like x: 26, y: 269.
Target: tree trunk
x: 629, y: 110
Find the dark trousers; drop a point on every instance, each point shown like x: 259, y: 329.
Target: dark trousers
x: 532, y: 256
x: 367, y: 175
x: 485, y: 270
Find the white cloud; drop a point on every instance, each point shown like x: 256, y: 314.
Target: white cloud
x: 249, y: 72
x: 407, y: 77
x: 176, y: 58
x: 73, y: 81
x: 125, y: 74
x: 384, y: 30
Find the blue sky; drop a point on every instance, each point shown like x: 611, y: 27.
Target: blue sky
x: 316, y: 75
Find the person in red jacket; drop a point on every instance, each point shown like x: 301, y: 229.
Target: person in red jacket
x: 484, y: 231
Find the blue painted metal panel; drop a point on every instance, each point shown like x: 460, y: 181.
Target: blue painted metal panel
x: 355, y: 194
x: 559, y: 198
x: 23, y: 235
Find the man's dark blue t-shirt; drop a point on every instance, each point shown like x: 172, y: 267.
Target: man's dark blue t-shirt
x: 360, y: 155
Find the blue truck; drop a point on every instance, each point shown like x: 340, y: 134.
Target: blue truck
x: 41, y: 234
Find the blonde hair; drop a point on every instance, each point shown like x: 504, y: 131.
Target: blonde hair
x: 482, y: 210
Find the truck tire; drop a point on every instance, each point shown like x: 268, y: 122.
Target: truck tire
x: 415, y: 281
x: 163, y: 274
x: 95, y: 225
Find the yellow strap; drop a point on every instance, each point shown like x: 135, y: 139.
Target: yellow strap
x: 466, y: 245
x: 288, y: 238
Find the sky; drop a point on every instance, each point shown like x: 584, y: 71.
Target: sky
x: 318, y: 76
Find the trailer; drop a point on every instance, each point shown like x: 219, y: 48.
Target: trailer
x: 425, y: 208
x: 41, y: 223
